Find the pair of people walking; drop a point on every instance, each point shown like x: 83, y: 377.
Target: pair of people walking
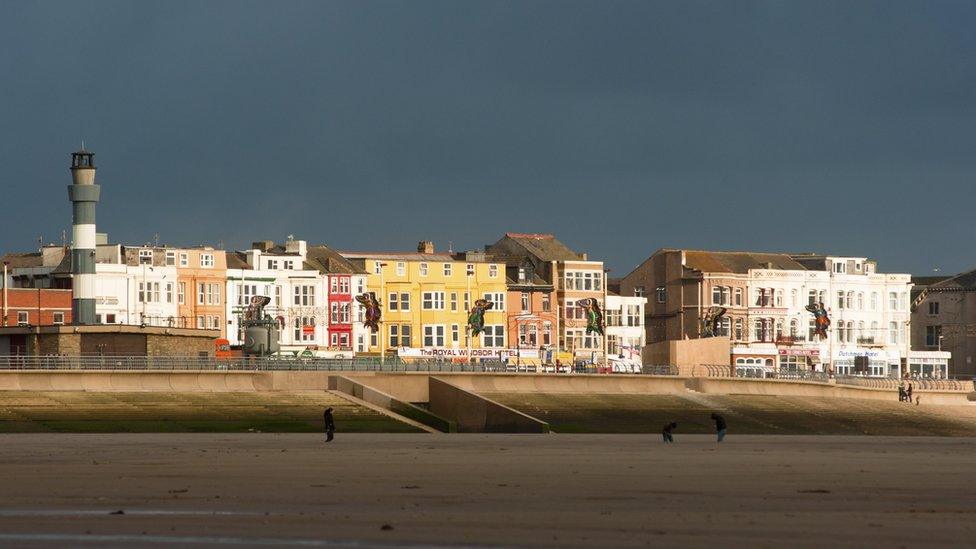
x: 720, y: 428
x: 905, y: 395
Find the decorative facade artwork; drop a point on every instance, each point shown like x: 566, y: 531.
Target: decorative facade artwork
x: 712, y: 320
x: 476, y: 318
x: 371, y: 311
x: 255, y: 307
x: 594, y: 315
x: 821, y: 320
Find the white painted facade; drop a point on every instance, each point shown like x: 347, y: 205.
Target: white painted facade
x: 136, y: 295
x: 869, y: 314
x: 360, y: 333
x: 299, y: 298
x: 626, y: 336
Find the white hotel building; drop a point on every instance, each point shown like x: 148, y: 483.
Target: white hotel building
x: 297, y: 292
x: 765, y: 297
x: 869, y: 317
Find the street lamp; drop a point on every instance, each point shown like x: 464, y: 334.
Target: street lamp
x: 380, y: 328
x: 468, y: 302
x: 606, y: 358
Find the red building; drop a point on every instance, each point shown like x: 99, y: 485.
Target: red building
x: 344, y: 280
x: 35, y: 306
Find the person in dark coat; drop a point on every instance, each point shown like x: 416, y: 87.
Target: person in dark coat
x: 908, y: 393
x: 329, y: 425
x: 719, y: 426
x: 668, y: 431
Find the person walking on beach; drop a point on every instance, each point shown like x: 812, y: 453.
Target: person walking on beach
x: 719, y: 426
x: 668, y: 431
x: 329, y: 425
x: 908, y: 393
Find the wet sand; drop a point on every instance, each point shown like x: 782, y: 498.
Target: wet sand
x: 486, y: 490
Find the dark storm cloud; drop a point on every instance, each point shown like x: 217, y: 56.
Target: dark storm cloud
x: 622, y: 127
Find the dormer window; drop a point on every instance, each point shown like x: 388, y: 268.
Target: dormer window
x: 840, y: 267
x: 145, y: 257
x: 521, y: 274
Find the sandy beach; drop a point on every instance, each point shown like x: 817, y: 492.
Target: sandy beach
x: 486, y: 490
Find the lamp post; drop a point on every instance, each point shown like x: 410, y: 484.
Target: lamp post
x: 5, y: 293
x: 606, y: 359
x: 467, y: 309
x: 380, y: 328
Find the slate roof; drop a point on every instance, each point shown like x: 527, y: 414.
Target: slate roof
x: 739, y: 262
x: 401, y: 256
x: 237, y: 260
x: 544, y: 246
x: 21, y: 260
x: 962, y: 281
x: 327, y: 260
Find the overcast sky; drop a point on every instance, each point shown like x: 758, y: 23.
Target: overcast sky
x: 622, y: 127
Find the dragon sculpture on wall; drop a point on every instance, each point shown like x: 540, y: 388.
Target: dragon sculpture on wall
x: 476, y: 317
x: 594, y: 315
x: 821, y: 320
x: 712, y: 320
x: 372, y: 310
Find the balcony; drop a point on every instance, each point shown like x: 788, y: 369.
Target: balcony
x: 869, y: 341
x: 790, y: 340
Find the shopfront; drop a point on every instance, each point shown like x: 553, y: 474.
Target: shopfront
x: 794, y: 361
x: 867, y: 362
x: 752, y: 362
x: 928, y: 364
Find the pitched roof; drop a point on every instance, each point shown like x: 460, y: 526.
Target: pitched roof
x: 928, y: 280
x: 237, y: 260
x: 327, y: 260
x: 544, y: 246
x: 739, y: 262
x: 964, y: 281
x: 400, y: 256
x: 20, y: 260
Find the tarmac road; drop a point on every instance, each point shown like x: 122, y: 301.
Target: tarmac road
x: 366, y: 490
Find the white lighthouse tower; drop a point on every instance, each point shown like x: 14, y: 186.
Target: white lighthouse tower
x: 83, y: 193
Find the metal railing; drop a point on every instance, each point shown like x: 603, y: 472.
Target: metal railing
x: 660, y: 370
x: 396, y: 364
x: 360, y: 364
x: 356, y: 364
x: 917, y: 384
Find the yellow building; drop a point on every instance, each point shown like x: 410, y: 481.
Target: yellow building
x: 425, y: 298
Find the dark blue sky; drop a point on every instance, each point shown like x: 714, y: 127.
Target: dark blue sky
x: 622, y: 127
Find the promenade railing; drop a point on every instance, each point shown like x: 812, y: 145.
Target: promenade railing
x: 924, y: 384
x: 359, y: 364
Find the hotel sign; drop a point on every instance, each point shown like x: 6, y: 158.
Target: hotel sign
x: 799, y: 352
x: 453, y: 352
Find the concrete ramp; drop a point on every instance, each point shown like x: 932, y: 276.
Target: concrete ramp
x: 384, y: 401
x: 476, y: 414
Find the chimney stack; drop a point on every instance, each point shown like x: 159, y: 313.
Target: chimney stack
x: 425, y: 247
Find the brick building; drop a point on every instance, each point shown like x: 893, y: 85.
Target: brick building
x: 344, y: 280
x: 550, y: 279
x: 35, y: 306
